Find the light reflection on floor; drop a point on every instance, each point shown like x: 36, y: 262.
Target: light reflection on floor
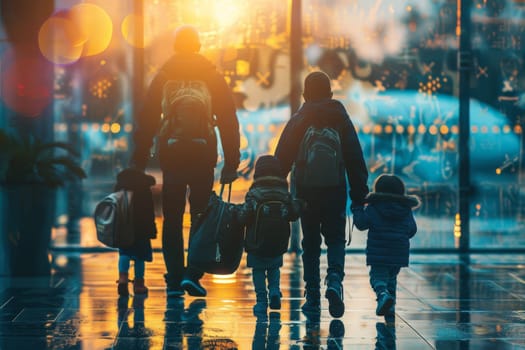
x: 442, y: 304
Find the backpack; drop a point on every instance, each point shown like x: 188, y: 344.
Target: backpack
x: 319, y: 162
x: 270, y: 233
x: 186, y: 113
x: 114, y: 221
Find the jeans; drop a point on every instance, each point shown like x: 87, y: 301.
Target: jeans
x: 384, y: 277
x: 324, y: 216
x: 198, y: 181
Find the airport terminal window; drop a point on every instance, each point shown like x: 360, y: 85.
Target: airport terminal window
x: 393, y: 65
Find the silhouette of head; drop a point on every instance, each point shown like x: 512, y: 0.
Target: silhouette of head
x: 317, y: 86
x: 388, y: 183
x: 186, y: 39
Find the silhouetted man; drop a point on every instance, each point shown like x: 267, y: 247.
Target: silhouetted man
x: 185, y: 100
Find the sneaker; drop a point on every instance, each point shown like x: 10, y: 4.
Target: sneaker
x: 384, y: 302
x: 334, y: 294
x: 275, y: 301
x: 194, y: 288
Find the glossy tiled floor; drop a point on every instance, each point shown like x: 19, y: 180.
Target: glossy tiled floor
x: 443, y: 303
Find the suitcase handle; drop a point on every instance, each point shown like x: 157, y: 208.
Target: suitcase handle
x: 229, y: 191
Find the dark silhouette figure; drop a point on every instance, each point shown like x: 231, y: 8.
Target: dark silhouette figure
x: 187, y: 159
x: 267, y: 212
x: 325, y: 213
x: 390, y: 223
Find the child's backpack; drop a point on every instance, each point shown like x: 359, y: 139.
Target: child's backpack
x: 187, y: 116
x: 114, y: 221
x: 319, y: 162
x: 270, y: 233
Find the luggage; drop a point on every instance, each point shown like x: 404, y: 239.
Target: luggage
x: 114, y: 221
x: 216, y: 240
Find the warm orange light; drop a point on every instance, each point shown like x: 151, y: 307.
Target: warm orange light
x: 95, y: 24
x: 132, y: 29
x: 115, y: 128
x: 60, y: 41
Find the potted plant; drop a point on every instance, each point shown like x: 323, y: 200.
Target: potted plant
x: 30, y: 173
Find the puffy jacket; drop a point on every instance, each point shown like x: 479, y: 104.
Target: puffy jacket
x: 326, y: 112
x: 196, y: 67
x: 390, y: 224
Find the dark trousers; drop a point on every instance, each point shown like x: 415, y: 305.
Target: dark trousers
x: 176, y: 184
x: 324, y: 216
x: 384, y: 277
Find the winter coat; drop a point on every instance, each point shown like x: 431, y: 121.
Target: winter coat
x: 390, y: 224
x: 262, y: 189
x: 326, y: 113
x: 143, y: 212
x: 195, y: 67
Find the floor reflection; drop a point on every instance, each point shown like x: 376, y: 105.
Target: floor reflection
x: 444, y: 302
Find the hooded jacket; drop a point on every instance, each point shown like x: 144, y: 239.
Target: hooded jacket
x: 390, y: 224
x: 326, y: 113
x: 185, y: 66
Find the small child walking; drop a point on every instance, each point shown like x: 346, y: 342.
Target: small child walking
x: 267, y: 212
x: 143, y: 214
x: 388, y: 217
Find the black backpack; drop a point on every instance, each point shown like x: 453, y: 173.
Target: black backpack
x: 319, y: 162
x: 187, y: 116
x: 270, y: 233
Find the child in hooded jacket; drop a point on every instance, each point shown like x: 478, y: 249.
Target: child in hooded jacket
x: 267, y: 212
x: 388, y: 217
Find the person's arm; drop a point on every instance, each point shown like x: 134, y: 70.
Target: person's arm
x: 412, y: 227
x: 288, y: 146
x: 354, y: 162
x: 360, y: 218
x: 227, y: 122
x: 294, y: 208
x: 147, y: 123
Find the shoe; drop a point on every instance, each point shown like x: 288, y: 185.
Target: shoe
x: 384, y: 302
x: 275, y: 301
x: 313, y: 301
x: 139, y: 288
x: 334, y: 294
x: 122, y: 284
x: 194, y: 288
